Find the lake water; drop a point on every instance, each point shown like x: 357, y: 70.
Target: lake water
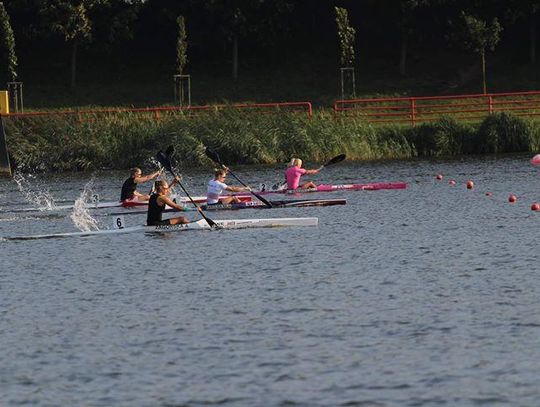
x: 427, y: 296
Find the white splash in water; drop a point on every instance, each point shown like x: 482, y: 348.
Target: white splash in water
x: 40, y: 198
x: 81, y: 216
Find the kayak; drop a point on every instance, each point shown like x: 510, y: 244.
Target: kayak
x: 199, y: 225
x: 112, y: 204
x: 375, y: 186
x: 293, y: 203
x: 297, y: 203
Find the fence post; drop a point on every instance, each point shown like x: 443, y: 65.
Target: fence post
x: 413, y: 112
x: 5, y: 168
x: 182, y: 90
x: 490, y: 104
x: 15, y: 90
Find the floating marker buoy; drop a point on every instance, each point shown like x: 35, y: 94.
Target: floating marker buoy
x: 535, y: 207
x: 512, y: 198
x: 439, y: 177
x: 452, y: 182
x: 535, y: 160
x: 470, y: 185
x: 489, y: 193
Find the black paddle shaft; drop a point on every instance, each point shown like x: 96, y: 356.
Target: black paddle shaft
x: 215, y: 157
x: 166, y: 162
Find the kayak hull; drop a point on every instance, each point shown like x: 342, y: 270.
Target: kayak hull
x: 276, y: 204
x: 199, y: 225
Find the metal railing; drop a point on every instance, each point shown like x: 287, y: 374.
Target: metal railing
x: 422, y: 109
x: 156, y: 112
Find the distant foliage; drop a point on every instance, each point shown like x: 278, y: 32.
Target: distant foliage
x: 346, y: 35
x: 503, y: 133
x: 181, y: 46
x: 444, y: 137
x: 8, y: 61
x: 479, y: 36
x: 121, y: 141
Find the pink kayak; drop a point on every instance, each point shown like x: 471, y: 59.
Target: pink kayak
x: 375, y: 186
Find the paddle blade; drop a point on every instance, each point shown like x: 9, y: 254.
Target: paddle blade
x: 213, y: 155
x: 164, y: 160
x: 335, y: 160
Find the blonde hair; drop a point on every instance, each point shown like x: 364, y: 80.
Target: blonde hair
x: 296, y: 162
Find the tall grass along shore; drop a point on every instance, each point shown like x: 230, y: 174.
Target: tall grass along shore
x: 118, y: 141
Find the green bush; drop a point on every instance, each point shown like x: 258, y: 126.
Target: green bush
x: 503, y: 133
x: 444, y: 137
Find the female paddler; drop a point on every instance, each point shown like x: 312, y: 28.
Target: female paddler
x: 295, y: 171
x: 217, y: 186
x: 129, y: 188
x: 158, y: 202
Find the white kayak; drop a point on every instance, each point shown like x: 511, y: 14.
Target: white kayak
x: 111, y: 204
x: 199, y: 225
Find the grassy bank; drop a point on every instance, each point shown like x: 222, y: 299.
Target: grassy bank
x: 121, y: 141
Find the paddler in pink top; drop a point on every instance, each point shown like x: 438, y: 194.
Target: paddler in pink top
x: 295, y: 171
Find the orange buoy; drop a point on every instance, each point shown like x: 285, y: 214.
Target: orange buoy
x: 489, y: 193
x: 470, y: 185
x: 452, y: 182
x: 439, y: 177
x: 535, y: 207
x: 535, y: 160
x: 512, y: 198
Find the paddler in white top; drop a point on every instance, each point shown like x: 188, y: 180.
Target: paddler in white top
x: 217, y: 186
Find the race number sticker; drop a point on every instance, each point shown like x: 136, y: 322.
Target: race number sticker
x: 118, y: 222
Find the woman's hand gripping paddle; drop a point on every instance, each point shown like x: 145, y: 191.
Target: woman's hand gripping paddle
x: 165, y: 160
x: 215, y: 157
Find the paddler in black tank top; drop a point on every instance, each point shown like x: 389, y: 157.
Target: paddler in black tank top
x: 129, y: 188
x: 157, y: 203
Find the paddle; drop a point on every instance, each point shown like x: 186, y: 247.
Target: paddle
x: 215, y: 157
x: 165, y: 160
x: 335, y: 160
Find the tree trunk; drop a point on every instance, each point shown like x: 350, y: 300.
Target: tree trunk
x: 403, y: 56
x: 74, y: 64
x: 532, y: 38
x: 483, y: 55
x: 235, y: 58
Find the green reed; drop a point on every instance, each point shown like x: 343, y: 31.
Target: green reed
x: 107, y: 141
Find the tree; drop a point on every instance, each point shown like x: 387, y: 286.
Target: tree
x: 525, y: 10
x: 78, y: 22
x: 407, y: 24
x: 70, y: 20
x: 478, y: 36
x: 346, y: 35
x: 7, y: 47
x: 240, y: 18
x: 181, y: 46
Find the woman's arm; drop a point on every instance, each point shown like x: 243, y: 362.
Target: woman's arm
x: 237, y: 189
x: 140, y: 180
x: 168, y: 201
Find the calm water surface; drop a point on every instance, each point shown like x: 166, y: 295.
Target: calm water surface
x: 427, y: 296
